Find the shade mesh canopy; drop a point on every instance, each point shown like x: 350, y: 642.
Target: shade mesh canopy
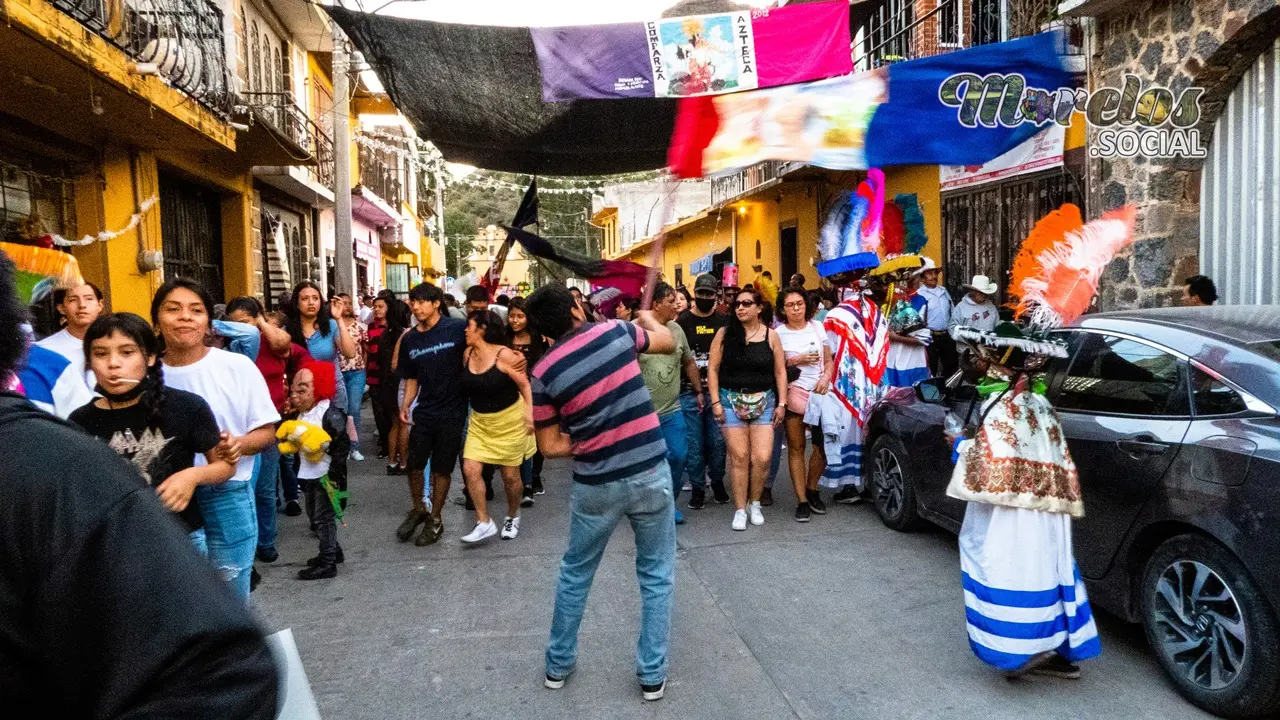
x: 474, y: 91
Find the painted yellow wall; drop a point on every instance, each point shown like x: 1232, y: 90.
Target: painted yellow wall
x: 694, y: 241
x: 923, y: 181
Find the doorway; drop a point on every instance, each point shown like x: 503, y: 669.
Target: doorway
x: 191, y: 233
x: 789, y: 242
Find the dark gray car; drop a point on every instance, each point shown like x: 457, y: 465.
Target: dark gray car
x: 1171, y: 417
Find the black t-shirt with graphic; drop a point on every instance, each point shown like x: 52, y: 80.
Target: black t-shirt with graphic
x: 186, y: 429
x: 434, y: 359
x: 700, y: 331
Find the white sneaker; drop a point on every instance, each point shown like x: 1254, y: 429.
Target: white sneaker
x: 511, y: 527
x: 482, y: 531
x: 356, y: 455
x: 757, y: 517
x: 740, y: 520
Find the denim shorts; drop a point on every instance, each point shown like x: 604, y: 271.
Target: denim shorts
x: 731, y: 419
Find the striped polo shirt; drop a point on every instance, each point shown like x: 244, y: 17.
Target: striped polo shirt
x: 589, y: 383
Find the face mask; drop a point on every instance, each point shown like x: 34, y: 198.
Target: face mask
x: 704, y: 304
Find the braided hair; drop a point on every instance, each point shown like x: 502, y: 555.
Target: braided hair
x: 138, y: 330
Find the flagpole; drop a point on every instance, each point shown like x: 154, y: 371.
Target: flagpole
x: 655, y: 250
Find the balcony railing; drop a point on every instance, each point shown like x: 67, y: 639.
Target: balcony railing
x: 893, y: 34
x: 180, y: 40
x: 380, y: 172
x: 280, y: 110
x: 730, y: 186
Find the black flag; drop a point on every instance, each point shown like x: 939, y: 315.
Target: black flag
x: 527, y: 213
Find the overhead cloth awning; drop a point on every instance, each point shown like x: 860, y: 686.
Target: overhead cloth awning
x: 475, y: 92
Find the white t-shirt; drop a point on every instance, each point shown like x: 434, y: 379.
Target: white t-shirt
x: 308, y: 470
x: 799, y: 342
x: 71, y: 348
x: 235, y: 391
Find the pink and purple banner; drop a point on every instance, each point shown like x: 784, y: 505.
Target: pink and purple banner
x: 695, y: 55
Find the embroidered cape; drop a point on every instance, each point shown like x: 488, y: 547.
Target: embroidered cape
x: 858, y: 334
x: 1019, y: 458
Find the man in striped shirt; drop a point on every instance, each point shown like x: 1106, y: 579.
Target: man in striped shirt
x: 590, y: 402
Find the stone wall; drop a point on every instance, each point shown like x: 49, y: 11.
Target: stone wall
x: 1174, y: 44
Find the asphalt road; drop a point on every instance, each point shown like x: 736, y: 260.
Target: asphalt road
x: 837, y: 618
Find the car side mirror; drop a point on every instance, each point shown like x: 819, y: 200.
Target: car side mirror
x: 932, y: 391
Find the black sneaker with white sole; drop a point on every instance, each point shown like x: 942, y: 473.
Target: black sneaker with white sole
x: 697, y: 499
x: 815, y: 502
x: 802, y: 512
x: 653, y: 692
x: 527, y: 499
x: 848, y: 495
x: 554, y: 683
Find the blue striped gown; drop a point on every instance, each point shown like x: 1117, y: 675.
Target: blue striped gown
x: 1022, y: 590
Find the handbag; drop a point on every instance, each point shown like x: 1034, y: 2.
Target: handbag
x: 748, y: 406
x: 793, y: 373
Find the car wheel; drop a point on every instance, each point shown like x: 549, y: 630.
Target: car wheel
x: 891, y: 487
x: 1211, y: 629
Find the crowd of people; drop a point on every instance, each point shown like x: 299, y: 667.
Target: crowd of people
x: 235, y: 414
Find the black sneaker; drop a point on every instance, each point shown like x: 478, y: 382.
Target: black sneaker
x: 697, y: 499
x: 527, y: 499
x: 766, y: 497
x: 338, y: 557
x: 431, y: 532
x: 815, y: 502
x: 720, y: 496
x: 292, y: 508
x: 318, y: 572
x: 537, y: 487
x: 1058, y: 667
x: 392, y: 469
x: 653, y: 692
x: 411, y: 523
x: 848, y: 495
x: 254, y: 579
x: 802, y: 512
x: 268, y: 555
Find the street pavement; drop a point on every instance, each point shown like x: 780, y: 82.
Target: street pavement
x: 837, y: 618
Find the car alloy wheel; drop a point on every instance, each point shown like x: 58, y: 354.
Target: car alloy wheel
x: 1200, y: 625
x: 886, y: 473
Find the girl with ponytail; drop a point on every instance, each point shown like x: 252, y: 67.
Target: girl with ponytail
x: 159, y: 430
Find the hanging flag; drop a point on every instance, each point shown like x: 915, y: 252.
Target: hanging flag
x: 527, y: 213
x: 626, y: 276
x: 894, y: 115
x: 695, y: 55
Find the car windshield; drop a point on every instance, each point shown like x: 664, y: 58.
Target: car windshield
x: 1269, y: 349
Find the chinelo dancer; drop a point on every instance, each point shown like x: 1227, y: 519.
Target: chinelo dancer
x: 1025, y: 603
x: 857, y: 335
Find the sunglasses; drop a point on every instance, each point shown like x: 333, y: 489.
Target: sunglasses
x: 744, y: 303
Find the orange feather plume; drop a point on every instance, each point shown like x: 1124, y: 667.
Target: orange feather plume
x: 1056, y: 272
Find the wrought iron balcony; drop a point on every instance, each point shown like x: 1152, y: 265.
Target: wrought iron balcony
x: 282, y: 113
x: 380, y: 172
x: 180, y: 40
x: 894, y: 34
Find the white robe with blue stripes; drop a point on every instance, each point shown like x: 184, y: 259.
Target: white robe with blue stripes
x: 1022, y: 590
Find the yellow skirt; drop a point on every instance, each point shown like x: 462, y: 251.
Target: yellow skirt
x: 500, y: 438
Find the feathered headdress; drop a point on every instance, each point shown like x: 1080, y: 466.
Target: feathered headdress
x: 1055, y: 277
x: 1056, y: 272
x: 851, y: 235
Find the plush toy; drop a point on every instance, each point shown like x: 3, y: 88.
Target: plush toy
x: 301, y: 436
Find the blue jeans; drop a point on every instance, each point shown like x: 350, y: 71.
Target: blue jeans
x: 231, y: 529
x: 674, y: 432
x: 264, y: 493
x: 354, y: 380
x: 199, y: 542
x: 704, y: 442
x: 289, y: 477
x: 645, y: 500
x: 778, y: 434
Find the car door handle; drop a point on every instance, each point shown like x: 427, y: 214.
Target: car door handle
x: 1142, y: 446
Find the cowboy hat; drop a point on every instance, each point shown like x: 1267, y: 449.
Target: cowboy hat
x: 982, y: 284
x: 928, y: 265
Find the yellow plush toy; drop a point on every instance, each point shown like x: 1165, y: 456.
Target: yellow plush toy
x: 301, y: 436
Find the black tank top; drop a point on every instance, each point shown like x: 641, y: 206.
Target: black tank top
x: 489, y: 391
x: 749, y: 370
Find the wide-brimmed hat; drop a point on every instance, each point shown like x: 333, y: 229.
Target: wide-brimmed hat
x: 982, y: 284
x: 929, y: 264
